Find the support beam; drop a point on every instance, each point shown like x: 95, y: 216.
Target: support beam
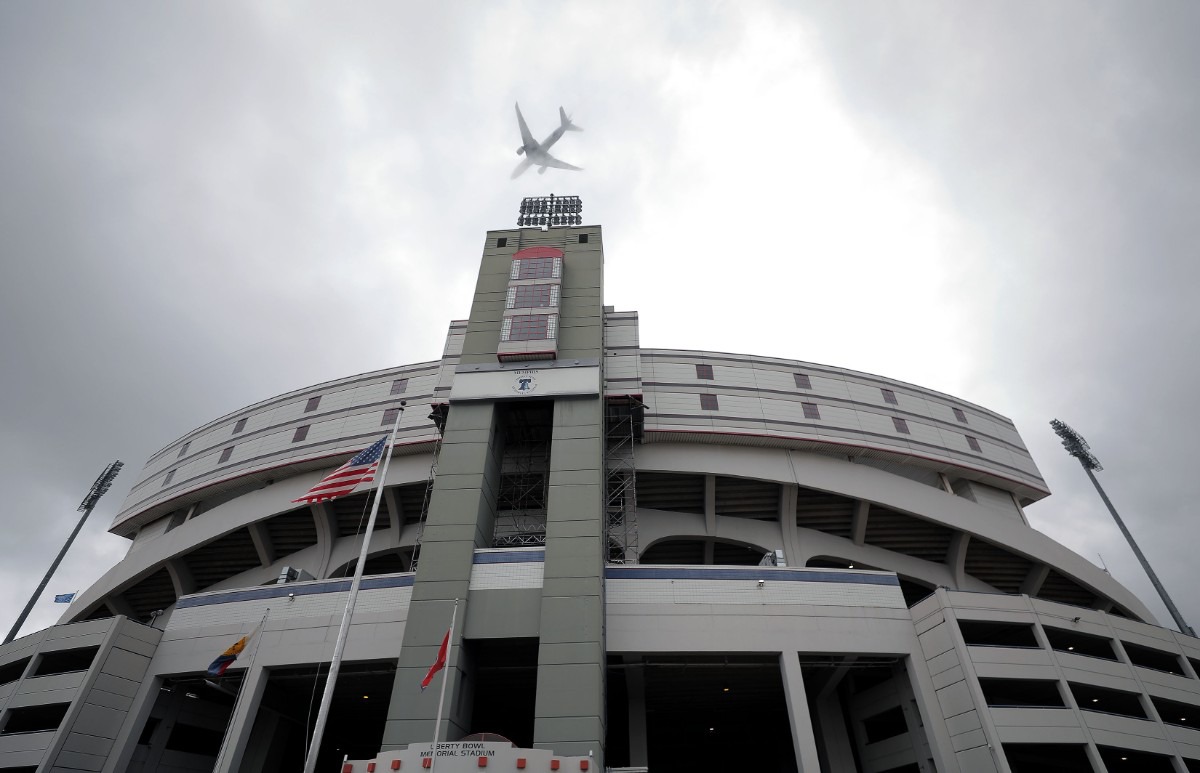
x: 635, y: 685
x: 395, y: 511
x: 790, y: 540
x: 858, y: 524
x: 181, y: 577
x: 804, y: 740
x: 956, y: 557
x: 326, y: 524
x: 710, y: 505
x: 945, y: 483
x: 1032, y: 585
x: 262, y: 543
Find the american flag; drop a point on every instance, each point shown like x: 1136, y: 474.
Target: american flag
x: 343, y: 480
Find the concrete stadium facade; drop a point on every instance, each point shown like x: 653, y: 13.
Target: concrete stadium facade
x: 664, y: 559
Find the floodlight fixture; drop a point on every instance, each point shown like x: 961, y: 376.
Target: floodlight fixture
x: 1076, y: 446
x: 537, y: 211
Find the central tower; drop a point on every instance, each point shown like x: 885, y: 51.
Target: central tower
x: 520, y: 474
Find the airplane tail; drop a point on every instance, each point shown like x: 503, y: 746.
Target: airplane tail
x: 566, y: 122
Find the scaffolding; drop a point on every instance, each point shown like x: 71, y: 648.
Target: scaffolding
x: 623, y: 421
x: 524, y: 488
x: 438, y: 417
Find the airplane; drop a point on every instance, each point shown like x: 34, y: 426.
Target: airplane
x: 538, y: 155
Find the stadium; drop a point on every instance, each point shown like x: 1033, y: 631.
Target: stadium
x: 663, y: 560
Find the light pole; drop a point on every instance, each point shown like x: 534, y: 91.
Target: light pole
x: 102, y: 484
x: 1077, y: 447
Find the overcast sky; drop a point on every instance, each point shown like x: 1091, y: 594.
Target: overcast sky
x: 203, y: 205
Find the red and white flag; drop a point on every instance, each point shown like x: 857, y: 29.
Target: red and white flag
x: 438, y: 664
x: 343, y: 480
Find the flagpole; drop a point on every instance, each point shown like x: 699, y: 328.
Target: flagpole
x: 437, y: 727
x: 237, y: 701
x: 335, y: 663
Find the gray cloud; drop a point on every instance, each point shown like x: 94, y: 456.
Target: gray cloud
x: 206, y: 205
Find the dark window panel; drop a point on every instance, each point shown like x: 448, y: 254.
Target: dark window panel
x: 811, y: 411
x: 1093, y: 698
x: 167, y: 480
x: 708, y: 402
x: 301, y: 433
x: 974, y: 444
x: 958, y: 414
x: 65, y: 661
x: 901, y: 425
x: 225, y: 454
x: 502, y: 241
x: 34, y: 719
x: 399, y: 386
x: 889, y: 396
x: 1080, y: 643
x: 704, y: 371
x: 1042, y: 693
x: 241, y: 425
x: 1148, y: 657
x: 583, y: 238
x: 993, y: 634
x: 1176, y: 713
x: 312, y: 403
x: 802, y: 380
x: 389, y: 417
x: 183, y: 449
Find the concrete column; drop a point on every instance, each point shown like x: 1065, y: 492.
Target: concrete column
x: 461, y: 516
x: 804, y: 740
x: 241, y: 724
x: 956, y: 557
x: 570, y: 716
x: 262, y: 543
x: 858, y: 523
x: 838, y: 748
x: 710, y: 505
x: 635, y: 684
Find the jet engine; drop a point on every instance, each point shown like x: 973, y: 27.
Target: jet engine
x: 521, y: 151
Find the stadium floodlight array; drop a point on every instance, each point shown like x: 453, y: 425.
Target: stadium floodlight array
x: 1076, y: 446
x: 550, y: 211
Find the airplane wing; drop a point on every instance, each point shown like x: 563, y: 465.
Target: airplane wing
x: 545, y: 159
x: 527, y: 140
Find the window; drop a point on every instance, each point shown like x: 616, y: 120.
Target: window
x: 183, y: 449
x: 811, y: 411
x: 301, y: 434
x: 708, y: 402
x: 35, y: 719
x: 1147, y: 657
x: 889, y: 396
x: 583, y: 238
x: 958, y: 414
x: 228, y: 452
x: 974, y: 444
x: 802, y: 380
x: 241, y: 425
x: 399, y: 386
x: 537, y: 268
x: 167, y: 480
x: 389, y: 417
x: 704, y: 371
x: 312, y: 404
x: 901, y: 425
x: 529, y: 327
x: 532, y: 297
x: 65, y: 661
x: 502, y: 241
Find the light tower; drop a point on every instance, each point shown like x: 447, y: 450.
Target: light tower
x: 98, y: 489
x: 1077, y: 447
